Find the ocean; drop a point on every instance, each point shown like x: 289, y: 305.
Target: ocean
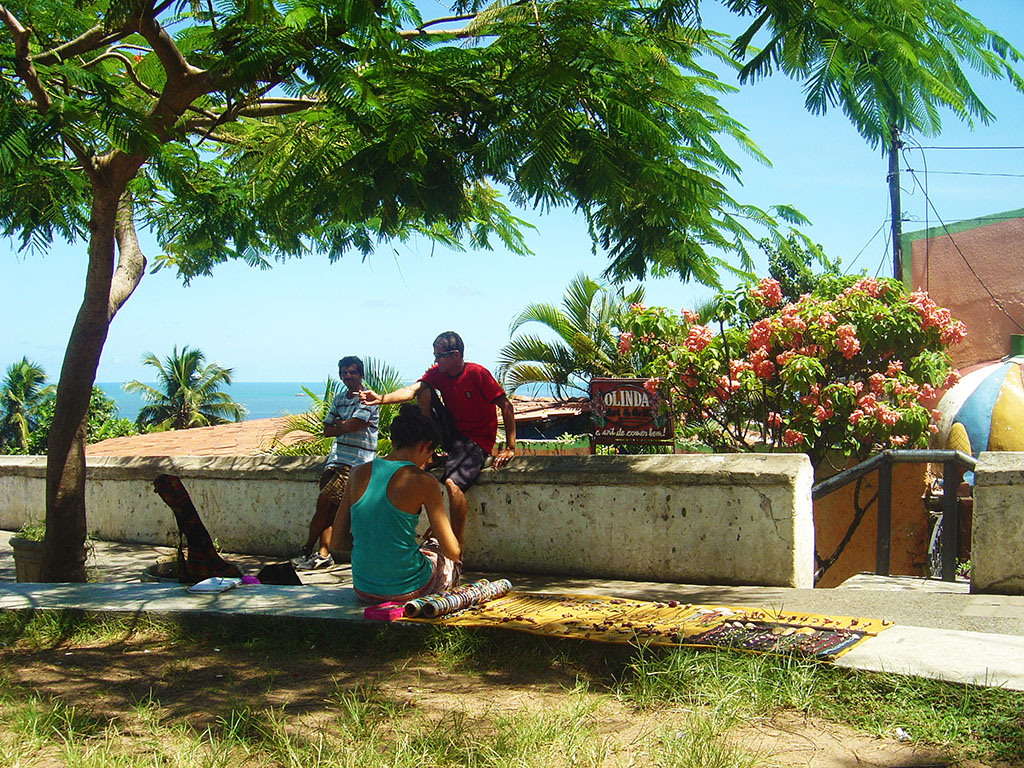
x: 262, y: 399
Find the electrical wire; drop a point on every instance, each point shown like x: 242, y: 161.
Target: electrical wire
x: 974, y: 173
x: 865, y: 247
x: 919, y: 146
x: 967, y: 263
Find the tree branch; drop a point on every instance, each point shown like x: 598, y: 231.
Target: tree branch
x: 131, y: 262
x: 23, y: 61
x: 282, y: 106
x: 173, y: 61
x: 128, y: 68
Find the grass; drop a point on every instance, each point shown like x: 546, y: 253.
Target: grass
x: 693, y: 697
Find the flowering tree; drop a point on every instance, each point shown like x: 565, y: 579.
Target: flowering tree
x: 848, y: 367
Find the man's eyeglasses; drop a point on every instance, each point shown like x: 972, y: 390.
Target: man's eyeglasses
x: 438, y: 357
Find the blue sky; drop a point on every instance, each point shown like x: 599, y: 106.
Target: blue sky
x: 293, y: 322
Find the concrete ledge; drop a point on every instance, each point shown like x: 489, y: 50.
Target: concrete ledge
x: 997, y: 528
x: 723, y: 519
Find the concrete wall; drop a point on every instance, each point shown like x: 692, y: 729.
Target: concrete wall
x: 997, y: 532
x: 722, y: 519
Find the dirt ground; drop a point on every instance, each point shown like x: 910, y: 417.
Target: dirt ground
x: 198, y: 685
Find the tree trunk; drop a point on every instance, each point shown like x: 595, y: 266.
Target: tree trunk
x: 105, y: 291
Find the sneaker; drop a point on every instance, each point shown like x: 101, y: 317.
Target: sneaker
x: 315, y: 562
x: 304, y: 554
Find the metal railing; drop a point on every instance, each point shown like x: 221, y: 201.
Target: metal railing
x: 883, y: 463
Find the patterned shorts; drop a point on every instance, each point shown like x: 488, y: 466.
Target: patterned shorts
x: 333, y: 481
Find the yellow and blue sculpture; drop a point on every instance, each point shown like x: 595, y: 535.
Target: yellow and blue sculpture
x: 985, y: 410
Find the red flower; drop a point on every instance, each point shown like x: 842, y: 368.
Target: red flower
x: 698, y: 338
x: 792, y: 437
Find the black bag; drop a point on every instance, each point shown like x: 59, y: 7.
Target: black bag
x: 279, y: 573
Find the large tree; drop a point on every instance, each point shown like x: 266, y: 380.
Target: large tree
x: 260, y: 130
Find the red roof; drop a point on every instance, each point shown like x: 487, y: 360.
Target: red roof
x: 249, y: 438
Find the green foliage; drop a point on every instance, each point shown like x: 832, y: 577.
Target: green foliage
x: 379, y: 376
x: 585, y: 342
x: 22, y: 395
x: 844, y: 368
x: 187, y: 393
x: 885, y: 64
x: 103, y: 421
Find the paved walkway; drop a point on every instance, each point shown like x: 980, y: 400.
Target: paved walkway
x: 940, y: 631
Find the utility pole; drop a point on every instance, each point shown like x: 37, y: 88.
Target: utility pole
x: 894, y: 199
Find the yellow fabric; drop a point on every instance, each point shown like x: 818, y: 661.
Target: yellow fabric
x: 958, y: 439
x: 615, y: 620
x: 1007, y: 430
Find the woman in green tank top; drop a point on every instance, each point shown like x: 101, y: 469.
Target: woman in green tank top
x: 379, y: 512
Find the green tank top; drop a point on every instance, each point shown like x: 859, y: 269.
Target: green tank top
x: 386, y: 558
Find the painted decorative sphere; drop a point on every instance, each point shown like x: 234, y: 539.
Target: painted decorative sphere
x: 984, y: 411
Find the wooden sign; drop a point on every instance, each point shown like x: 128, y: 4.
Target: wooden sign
x: 625, y: 411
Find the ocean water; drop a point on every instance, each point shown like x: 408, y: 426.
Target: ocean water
x: 263, y: 399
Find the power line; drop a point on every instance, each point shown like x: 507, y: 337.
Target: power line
x: 969, y: 148
x: 972, y: 173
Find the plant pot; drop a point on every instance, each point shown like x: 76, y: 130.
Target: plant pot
x: 28, y: 559
x: 163, y: 571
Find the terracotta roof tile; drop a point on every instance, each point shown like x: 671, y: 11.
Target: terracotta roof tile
x: 249, y: 438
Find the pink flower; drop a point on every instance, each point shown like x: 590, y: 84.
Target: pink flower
x: 652, y: 384
x: 825, y: 319
x: 688, y: 316
x: 792, y: 437
x: 855, y: 416
x: 764, y: 369
x: 849, y: 344
x: 895, y: 366
x: 768, y: 291
x: 953, y: 333
x: 774, y: 420
x: 760, y: 335
x: 821, y: 413
x: 625, y: 342
x: 898, y: 440
x: 794, y: 322
x: 698, y: 338
x: 887, y: 416
x: 876, y: 381
x: 736, y: 367
x: 951, y: 379
x: 868, y: 285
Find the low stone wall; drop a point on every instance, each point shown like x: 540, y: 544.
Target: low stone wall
x: 719, y: 519
x: 997, y: 531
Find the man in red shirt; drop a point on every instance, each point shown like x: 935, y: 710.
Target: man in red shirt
x: 465, y: 413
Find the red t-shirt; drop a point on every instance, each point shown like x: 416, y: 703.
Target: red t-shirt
x: 469, y: 398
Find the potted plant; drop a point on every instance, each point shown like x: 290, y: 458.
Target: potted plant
x: 27, y: 545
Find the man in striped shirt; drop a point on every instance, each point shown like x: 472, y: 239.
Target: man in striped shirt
x: 353, y: 425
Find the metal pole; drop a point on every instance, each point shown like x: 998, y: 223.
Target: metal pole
x: 884, y: 504
x: 950, y: 520
x: 894, y: 200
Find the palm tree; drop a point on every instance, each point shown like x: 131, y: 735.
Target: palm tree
x: 586, y: 343
x: 379, y: 376
x: 187, y: 393
x: 21, y: 394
